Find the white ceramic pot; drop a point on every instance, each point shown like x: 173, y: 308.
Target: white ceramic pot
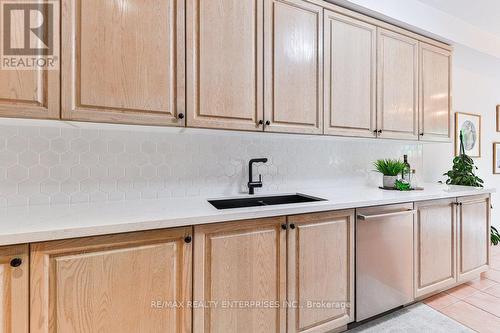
x: 389, y: 181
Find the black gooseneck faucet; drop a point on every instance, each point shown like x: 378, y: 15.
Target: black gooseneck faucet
x: 252, y: 184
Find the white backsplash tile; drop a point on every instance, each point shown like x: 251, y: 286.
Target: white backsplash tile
x: 44, y: 162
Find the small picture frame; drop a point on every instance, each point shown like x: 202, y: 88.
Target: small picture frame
x: 496, y: 158
x: 470, y: 125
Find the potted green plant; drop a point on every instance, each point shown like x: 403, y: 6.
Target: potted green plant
x: 495, y: 236
x: 390, y: 168
x: 463, y: 173
x: 463, y: 169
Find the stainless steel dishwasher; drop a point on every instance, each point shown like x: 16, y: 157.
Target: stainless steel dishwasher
x: 384, y: 259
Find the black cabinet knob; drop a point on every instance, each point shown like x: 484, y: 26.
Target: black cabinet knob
x: 292, y: 226
x: 268, y: 123
x: 188, y: 239
x: 181, y: 116
x: 16, y: 262
x: 375, y: 131
x: 421, y: 134
x: 379, y: 131
x: 261, y: 122
x: 283, y: 226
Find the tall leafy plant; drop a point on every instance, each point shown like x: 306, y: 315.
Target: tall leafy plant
x: 463, y: 171
x: 495, y: 236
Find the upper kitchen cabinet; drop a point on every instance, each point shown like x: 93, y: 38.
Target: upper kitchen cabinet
x: 224, y: 64
x: 14, y: 289
x: 349, y: 76
x: 29, y: 93
x: 293, y: 57
x: 435, y: 93
x: 123, y: 61
x: 114, y: 283
x: 397, y: 116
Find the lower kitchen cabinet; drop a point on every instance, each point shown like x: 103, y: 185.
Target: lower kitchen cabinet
x: 320, y: 271
x: 245, y: 273
x: 473, y: 237
x: 14, y: 289
x: 117, y: 283
x: 435, y: 246
x: 235, y: 265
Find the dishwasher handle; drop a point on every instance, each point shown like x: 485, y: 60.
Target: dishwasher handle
x: 376, y: 216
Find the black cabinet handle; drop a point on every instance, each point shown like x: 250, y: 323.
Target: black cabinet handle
x: 379, y: 131
x: 188, y: 239
x: 292, y: 226
x: 261, y: 122
x: 16, y: 262
x: 181, y: 116
x: 422, y: 134
x: 268, y: 123
x: 284, y: 227
x: 375, y: 131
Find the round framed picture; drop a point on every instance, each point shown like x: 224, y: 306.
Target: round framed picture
x: 470, y: 126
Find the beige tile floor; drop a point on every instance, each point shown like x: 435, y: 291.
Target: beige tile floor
x: 477, y: 303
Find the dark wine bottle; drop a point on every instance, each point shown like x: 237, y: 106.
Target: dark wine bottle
x: 406, y: 173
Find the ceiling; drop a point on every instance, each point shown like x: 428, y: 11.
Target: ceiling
x: 484, y: 14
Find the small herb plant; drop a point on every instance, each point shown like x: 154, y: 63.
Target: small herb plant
x: 389, y: 167
x: 463, y: 169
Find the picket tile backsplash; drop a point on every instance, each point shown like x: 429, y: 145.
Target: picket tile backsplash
x: 54, y: 162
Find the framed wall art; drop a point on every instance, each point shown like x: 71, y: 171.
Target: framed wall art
x: 498, y: 118
x: 470, y: 126
x: 496, y: 158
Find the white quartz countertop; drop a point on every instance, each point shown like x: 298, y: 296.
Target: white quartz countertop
x: 43, y: 223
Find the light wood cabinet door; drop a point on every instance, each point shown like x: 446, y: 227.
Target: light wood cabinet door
x: 397, y: 111
x: 30, y: 93
x: 473, y: 236
x: 320, y: 271
x: 123, y: 61
x: 435, y: 93
x: 14, y: 289
x: 136, y: 282
x: 435, y: 246
x: 293, y: 67
x: 350, y: 51
x: 224, y: 64
x: 240, y: 274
